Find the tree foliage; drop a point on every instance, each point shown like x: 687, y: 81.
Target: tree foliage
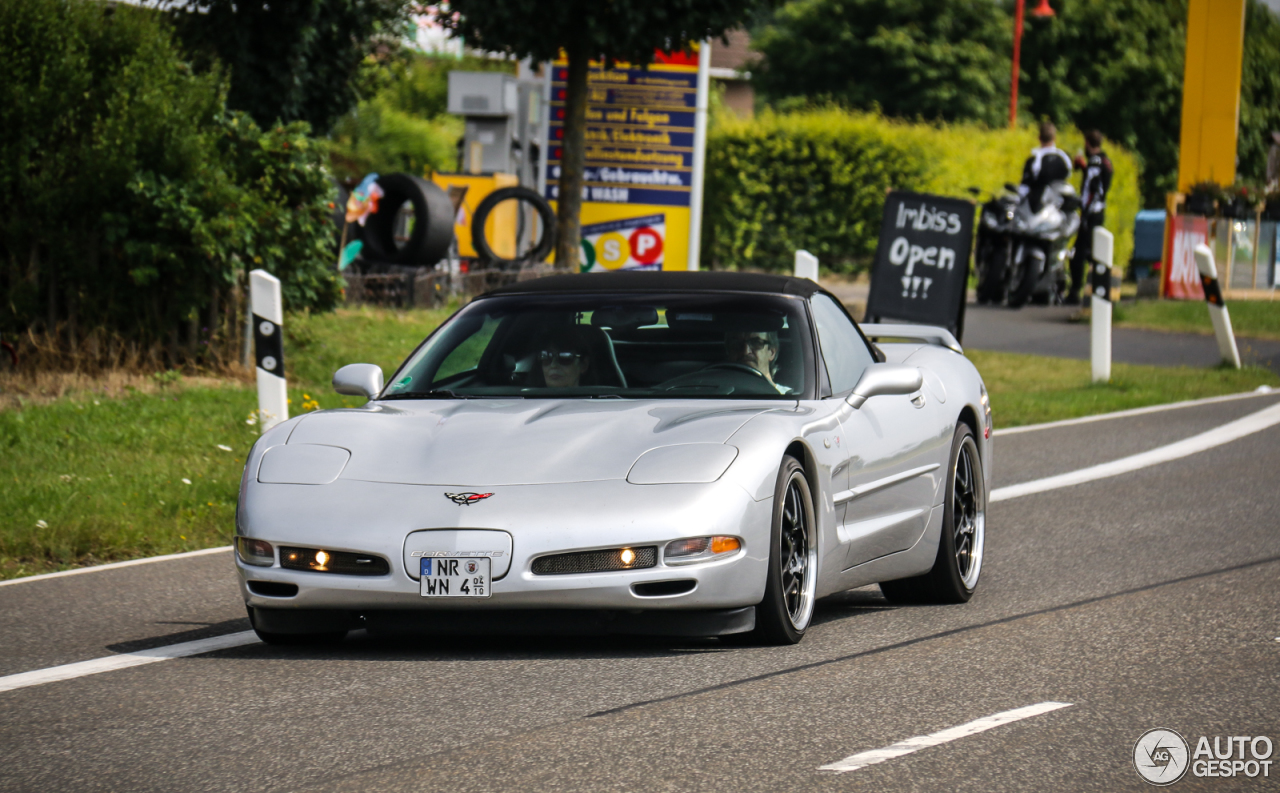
x: 626, y: 30
x: 403, y: 125
x: 1113, y: 65
x: 290, y: 60
x: 933, y: 59
x: 129, y: 203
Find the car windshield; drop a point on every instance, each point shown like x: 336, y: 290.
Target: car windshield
x: 680, y: 346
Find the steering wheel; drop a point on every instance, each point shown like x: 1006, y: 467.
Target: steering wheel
x: 736, y: 367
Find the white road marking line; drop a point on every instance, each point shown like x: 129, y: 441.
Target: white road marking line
x: 114, y: 565
x: 125, y: 660
x: 1254, y: 422
x: 864, y: 759
x: 1120, y: 414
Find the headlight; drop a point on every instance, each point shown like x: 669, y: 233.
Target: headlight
x: 255, y: 552
x: 699, y: 549
x: 682, y: 464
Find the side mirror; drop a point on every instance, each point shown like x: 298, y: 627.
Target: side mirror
x: 358, y: 379
x: 881, y: 379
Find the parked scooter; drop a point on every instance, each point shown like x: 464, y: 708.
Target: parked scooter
x: 1021, y: 255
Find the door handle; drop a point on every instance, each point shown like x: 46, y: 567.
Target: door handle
x: 918, y: 400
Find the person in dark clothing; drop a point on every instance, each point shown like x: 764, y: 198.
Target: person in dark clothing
x: 1047, y: 164
x: 1093, y: 206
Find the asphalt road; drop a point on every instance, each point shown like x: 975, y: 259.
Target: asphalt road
x: 1150, y: 599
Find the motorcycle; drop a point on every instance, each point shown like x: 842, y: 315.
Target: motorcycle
x: 1022, y: 255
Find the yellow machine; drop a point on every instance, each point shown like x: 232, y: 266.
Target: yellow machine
x: 467, y: 191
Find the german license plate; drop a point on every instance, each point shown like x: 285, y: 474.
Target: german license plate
x: 453, y: 577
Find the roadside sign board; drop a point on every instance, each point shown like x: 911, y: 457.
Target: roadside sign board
x: 921, y: 268
x: 639, y: 162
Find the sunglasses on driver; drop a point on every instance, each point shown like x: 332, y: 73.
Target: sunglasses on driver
x: 564, y: 358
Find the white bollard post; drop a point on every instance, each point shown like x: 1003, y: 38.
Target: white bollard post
x: 1100, y: 305
x: 806, y: 266
x: 1217, y: 307
x: 268, y: 345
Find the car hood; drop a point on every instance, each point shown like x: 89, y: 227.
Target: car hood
x: 479, y: 443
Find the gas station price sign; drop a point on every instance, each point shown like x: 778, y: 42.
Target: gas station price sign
x: 639, y: 153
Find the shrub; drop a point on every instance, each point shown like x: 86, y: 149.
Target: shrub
x: 817, y: 179
x: 130, y: 204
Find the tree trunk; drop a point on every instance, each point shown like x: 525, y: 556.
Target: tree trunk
x: 569, y: 199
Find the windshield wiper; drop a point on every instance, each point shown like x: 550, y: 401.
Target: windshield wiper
x: 435, y: 393
x: 444, y: 393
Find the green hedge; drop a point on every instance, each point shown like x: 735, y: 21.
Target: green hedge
x: 817, y: 180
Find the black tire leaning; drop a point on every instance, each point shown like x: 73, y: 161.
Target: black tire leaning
x: 775, y: 623
x: 546, y: 215
x: 294, y: 639
x: 947, y: 582
x: 432, y: 230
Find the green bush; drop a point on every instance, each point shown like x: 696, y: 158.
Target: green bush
x: 131, y: 203
x: 817, y: 180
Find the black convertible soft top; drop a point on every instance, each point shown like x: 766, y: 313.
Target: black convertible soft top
x: 674, y: 281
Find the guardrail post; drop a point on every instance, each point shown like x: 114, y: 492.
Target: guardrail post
x: 1100, y: 305
x: 1217, y: 306
x: 268, y: 345
x: 806, y: 266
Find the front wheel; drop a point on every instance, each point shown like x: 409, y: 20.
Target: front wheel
x: 956, y: 568
x: 784, y: 614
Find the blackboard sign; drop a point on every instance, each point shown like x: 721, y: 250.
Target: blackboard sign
x: 922, y: 261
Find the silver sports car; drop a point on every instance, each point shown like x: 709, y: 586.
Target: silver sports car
x: 664, y: 453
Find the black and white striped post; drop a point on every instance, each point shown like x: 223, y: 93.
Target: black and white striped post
x: 268, y: 345
x: 1104, y: 243
x: 1217, y: 306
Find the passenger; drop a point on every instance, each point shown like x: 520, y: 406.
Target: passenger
x: 758, y: 350
x: 563, y: 357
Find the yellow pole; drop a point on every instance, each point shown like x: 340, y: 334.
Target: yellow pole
x: 1211, y: 92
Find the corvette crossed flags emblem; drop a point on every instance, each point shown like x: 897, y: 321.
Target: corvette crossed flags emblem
x: 466, y: 499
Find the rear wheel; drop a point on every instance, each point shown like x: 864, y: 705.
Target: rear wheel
x: 1023, y: 279
x: 956, y: 568
x: 784, y: 614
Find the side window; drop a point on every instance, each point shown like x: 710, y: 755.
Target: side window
x: 843, y: 349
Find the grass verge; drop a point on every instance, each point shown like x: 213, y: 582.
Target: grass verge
x: 96, y: 476
x: 1253, y: 319
x: 1030, y: 389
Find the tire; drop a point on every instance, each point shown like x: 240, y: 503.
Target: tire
x: 291, y: 638
x: 958, y: 565
x: 432, y: 232
x: 787, y: 609
x: 546, y: 216
x: 1024, y: 278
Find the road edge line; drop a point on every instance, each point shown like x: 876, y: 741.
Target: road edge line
x: 115, y: 565
x: 864, y: 759
x: 1204, y: 441
x: 111, y: 663
x: 1142, y: 411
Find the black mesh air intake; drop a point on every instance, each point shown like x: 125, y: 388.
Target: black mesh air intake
x: 595, y: 561
x: 341, y: 562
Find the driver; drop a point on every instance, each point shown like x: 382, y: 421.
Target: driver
x: 563, y: 357
x: 758, y: 350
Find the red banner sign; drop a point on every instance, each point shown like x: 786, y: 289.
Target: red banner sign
x: 1181, y: 278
